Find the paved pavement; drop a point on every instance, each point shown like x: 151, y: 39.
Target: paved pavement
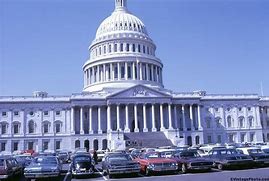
x: 215, y: 175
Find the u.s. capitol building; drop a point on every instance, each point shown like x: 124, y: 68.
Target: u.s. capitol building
x: 124, y: 97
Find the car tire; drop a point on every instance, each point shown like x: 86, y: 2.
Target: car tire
x: 104, y: 172
x: 110, y: 176
x: 220, y: 166
x: 183, y: 168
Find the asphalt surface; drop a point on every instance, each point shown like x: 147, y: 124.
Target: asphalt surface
x: 256, y: 174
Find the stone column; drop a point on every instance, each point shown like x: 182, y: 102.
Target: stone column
x: 191, y: 117
x: 93, y: 75
x: 133, y: 70
x: 153, y: 118
x: 136, y: 121
x: 98, y: 74
x: 90, y: 121
x: 183, y: 118
x: 112, y: 72
x: 81, y: 121
x: 118, y: 117
x: 140, y: 71
x: 145, y: 129
x: 170, y: 117
x: 119, y: 76
x: 108, y: 119
x: 127, y: 129
x: 72, y: 120
x: 147, y: 71
x: 175, y: 116
x: 104, y: 73
x: 126, y: 71
x: 199, y: 117
x: 152, y: 73
x: 161, y: 117
x: 99, y: 120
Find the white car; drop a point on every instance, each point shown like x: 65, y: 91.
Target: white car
x: 260, y: 157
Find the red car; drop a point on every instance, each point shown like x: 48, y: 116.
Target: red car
x: 152, y: 162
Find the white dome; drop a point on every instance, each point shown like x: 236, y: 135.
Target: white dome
x: 121, y: 20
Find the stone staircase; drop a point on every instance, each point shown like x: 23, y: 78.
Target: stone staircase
x: 149, y: 140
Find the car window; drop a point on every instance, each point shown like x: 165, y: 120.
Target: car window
x: 215, y: 152
x: 46, y: 160
x: 82, y: 158
x: 119, y: 158
x: 152, y: 155
x: 189, y: 154
x: 240, y: 151
x: 266, y: 150
x: 253, y: 151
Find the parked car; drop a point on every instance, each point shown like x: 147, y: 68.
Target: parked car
x: 63, y: 156
x: 152, y: 162
x: 119, y: 163
x: 24, y: 160
x: 82, y: 165
x: 230, y: 158
x: 260, y: 158
x: 9, y: 167
x: 190, y: 160
x: 43, y: 167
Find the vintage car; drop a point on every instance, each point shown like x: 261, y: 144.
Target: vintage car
x: 63, y: 156
x: 82, y: 165
x: 229, y: 158
x: 260, y: 157
x: 43, y: 167
x: 152, y: 162
x: 119, y: 163
x: 9, y: 168
x: 190, y: 160
x: 24, y: 160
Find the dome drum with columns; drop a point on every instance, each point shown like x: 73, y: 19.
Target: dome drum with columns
x: 122, y: 54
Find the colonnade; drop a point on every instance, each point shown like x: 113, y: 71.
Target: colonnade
x: 138, y: 118
x: 135, y: 70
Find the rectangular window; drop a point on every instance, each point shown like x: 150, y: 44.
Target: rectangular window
x: 252, y: 137
x: 4, y: 113
x: 104, y: 49
x: 58, y: 128
x: 242, y: 138
x: 209, y: 139
x: 3, y: 146
x: 58, y: 145
x: 116, y: 72
x: 16, y: 113
x: 46, y: 113
x: 15, y: 146
x: 45, y: 145
x: 58, y: 113
x: 115, y: 47
x: 30, y: 145
x: 139, y: 48
x: 144, y: 49
x: 3, y: 128
x: 100, y: 50
x: 133, y: 47
x: 219, y: 139
x: 121, y: 47
x: 46, y: 128
x: 231, y: 138
x: 127, y: 47
x: 122, y: 72
x: 16, y: 129
x: 109, y: 48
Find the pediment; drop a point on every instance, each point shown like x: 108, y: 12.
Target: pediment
x: 139, y: 91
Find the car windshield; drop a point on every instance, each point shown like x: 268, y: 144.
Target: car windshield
x: 228, y: 152
x: 82, y: 159
x: 1, y: 162
x: 46, y: 160
x: 251, y: 151
x: 119, y: 158
x: 152, y: 155
x: 190, y: 154
x: 23, y: 158
x: 266, y: 150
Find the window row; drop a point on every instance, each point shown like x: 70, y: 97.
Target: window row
x: 230, y: 122
x: 122, y: 47
x: 240, y: 109
x: 31, y: 113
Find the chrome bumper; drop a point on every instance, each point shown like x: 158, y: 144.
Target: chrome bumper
x: 41, y: 175
x: 124, y: 171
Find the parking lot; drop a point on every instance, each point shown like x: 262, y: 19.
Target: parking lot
x: 227, y: 175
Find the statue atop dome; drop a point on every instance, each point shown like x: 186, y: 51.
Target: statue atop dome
x: 120, y: 5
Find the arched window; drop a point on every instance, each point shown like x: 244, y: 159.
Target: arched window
x: 45, y: 127
x: 115, y: 47
x: 104, y: 144
x: 241, y: 121
x: 127, y: 47
x: 77, y: 144
x: 250, y: 121
x: 95, y: 145
x: 58, y: 126
x: 31, y: 127
x: 218, y: 122
x: 133, y: 47
x: 4, y: 126
x: 229, y: 121
x: 16, y: 127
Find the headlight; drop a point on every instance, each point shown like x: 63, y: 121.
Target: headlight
x: 174, y: 164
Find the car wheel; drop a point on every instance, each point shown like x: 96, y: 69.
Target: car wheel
x: 104, y: 172
x: 183, y: 168
x: 110, y: 176
x: 220, y: 166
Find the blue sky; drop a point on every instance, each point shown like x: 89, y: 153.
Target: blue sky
x: 221, y: 46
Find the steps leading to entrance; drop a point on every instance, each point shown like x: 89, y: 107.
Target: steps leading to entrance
x: 149, y: 140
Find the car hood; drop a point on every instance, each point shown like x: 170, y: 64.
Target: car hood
x: 193, y: 159
x: 160, y: 160
x: 86, y: 165
x: 37, y: 166
x: 119, y: 163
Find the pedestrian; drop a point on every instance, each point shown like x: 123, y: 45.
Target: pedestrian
x: 95, y: 158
